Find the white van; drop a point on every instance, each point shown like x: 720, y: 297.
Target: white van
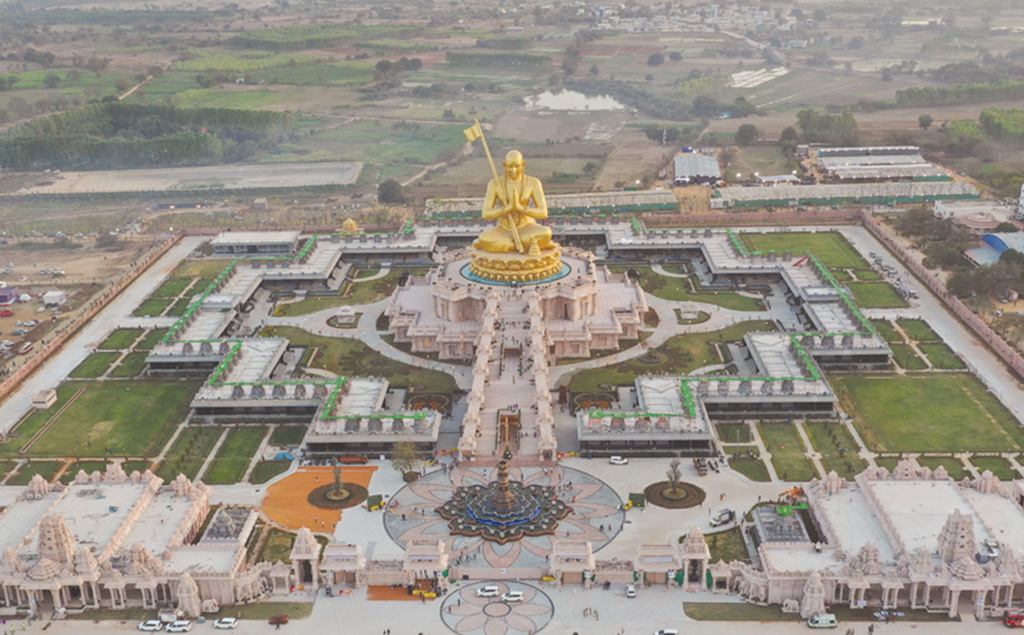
x: 488, y: 592
x: 823, y: 620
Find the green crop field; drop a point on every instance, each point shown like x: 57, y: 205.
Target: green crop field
x: 831, y: 248
x: 318, y: 74
x: 132, y: 418
x: 927, y: 413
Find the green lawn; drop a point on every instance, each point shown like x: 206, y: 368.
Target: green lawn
x: 120, y: 339
x: 178, y: 308
x: 360, y: 293
x: 942, y: 356
x: 888, y: 462
x: 189, y: 452
x: 287, y: 435
x: 678, y: 289
x: 681, y: 354
x: 171, y: 288
x: 842, y: 275
x: 954, y: 467
x: 754, y: 469
x: 347, y: 356
x: 234, y: 455
x: 927, y: 413
x: 278, y: 546
x: 918, y: 330
x: 832, y: 248
x: 5, y: 468
x: 997, y: 464
x: 94, y: 365
x: 876, y: 295
x: 868, y: 275
x: 152, y: 307
x: 129, y: 417
x: 131, y: 365
x: 906, y: 357
x: 266, y: 470
x: 837, y: 447
x: 47, y: 469
x: 204, y: 268
x: 733, y: 432
x: 788, y: 453
x: 151, y: 339
x: 727, y: 546
x: 887, y: 331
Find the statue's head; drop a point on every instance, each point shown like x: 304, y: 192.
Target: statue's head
x: 514, y: 164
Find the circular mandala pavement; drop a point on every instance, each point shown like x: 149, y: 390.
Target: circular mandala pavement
x: 596, y: 516
x: 466, y: 613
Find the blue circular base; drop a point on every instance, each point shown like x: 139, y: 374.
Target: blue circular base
x: 469, y: 275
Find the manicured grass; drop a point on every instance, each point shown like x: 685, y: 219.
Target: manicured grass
x: 751, y: 467
x: 171, y: 288
x: 868, y: 275
x: 887, y: 331
x: 120, y: 339
x: 205, y: 268
x: 838, y: 449
x: 178, y: 308
x: 679, y: 355
x: 151, y: 339
x: 131, y: 365
x: 36, y: 419
x: 359, y: 274
x: 678, y: 289
x: 287, y: 435
x: 876, y: 295
x: 277, y: 547
x: 831, y: 248
x: 94, y: 365
x: 347, y: 357
x: 47, y: 469
x: 128, y: 417
x: 888, y: 462
x: 234, y: 455
x: 727, y: 546
x: 189, y: 452
x: 842, y: 275
x: 263, y: 611
x: 266, y: 470
x: 733, y: 432
x: 152, y: 307
x: 360, y: 293
x: 918, y: 330
x: 954, y: 467
x: 927, y: 413
x: 906, y: 357
x: 942, y: 356
x: 997, y: 464
x: 702, y: 316
x: 5, y: 468
x: 782, y: 440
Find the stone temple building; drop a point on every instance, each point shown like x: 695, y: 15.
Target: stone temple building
x: 110, y: 540
x: 913, y: 539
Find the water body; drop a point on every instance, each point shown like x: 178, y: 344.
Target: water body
x: 567, y: 100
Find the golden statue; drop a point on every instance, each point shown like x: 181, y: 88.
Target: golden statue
x: 517, y: 248
x: 350, y: 226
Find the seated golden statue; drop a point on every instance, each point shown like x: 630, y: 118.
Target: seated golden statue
x: 515, y: 200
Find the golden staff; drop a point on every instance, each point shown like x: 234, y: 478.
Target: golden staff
x: 476, y: 132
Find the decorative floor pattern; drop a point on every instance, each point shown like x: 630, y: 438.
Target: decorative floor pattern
x: 466, y: 613
x: 597, y: 515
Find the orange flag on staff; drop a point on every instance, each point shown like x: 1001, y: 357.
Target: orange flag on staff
x: 473, y: 132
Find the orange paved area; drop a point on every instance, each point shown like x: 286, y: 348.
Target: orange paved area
x: 387, y: 594
x: 286, y: 503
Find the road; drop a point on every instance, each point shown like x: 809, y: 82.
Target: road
x: 80, y: 346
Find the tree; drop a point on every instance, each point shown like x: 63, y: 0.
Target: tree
x: 403, y: 457
x: 107, y: 241
x: 594, y: 70
x: 747, y: 134
x: 390, y: 191
x: 656, y: 59
x: 675, y: 56
x: 51, y: 80
x: 675, y: 475
x: 925, y: 121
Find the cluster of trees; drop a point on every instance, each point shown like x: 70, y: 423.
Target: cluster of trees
x: 818, y: 127
x: 508, y: 43
x: 115, y: 134
x: 1004, y: 125
x: 668, y: 135
x: 941, y: 240
x: 386, y: 67
x: 708, y: 106
x: 481, y: 58
x: 7, y: 82
x: 999, y: 278
x: 956, y: 94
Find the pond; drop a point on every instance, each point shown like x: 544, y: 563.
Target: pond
x: 572, y: 100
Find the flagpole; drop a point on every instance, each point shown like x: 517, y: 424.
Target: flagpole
x: 515, y: 230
